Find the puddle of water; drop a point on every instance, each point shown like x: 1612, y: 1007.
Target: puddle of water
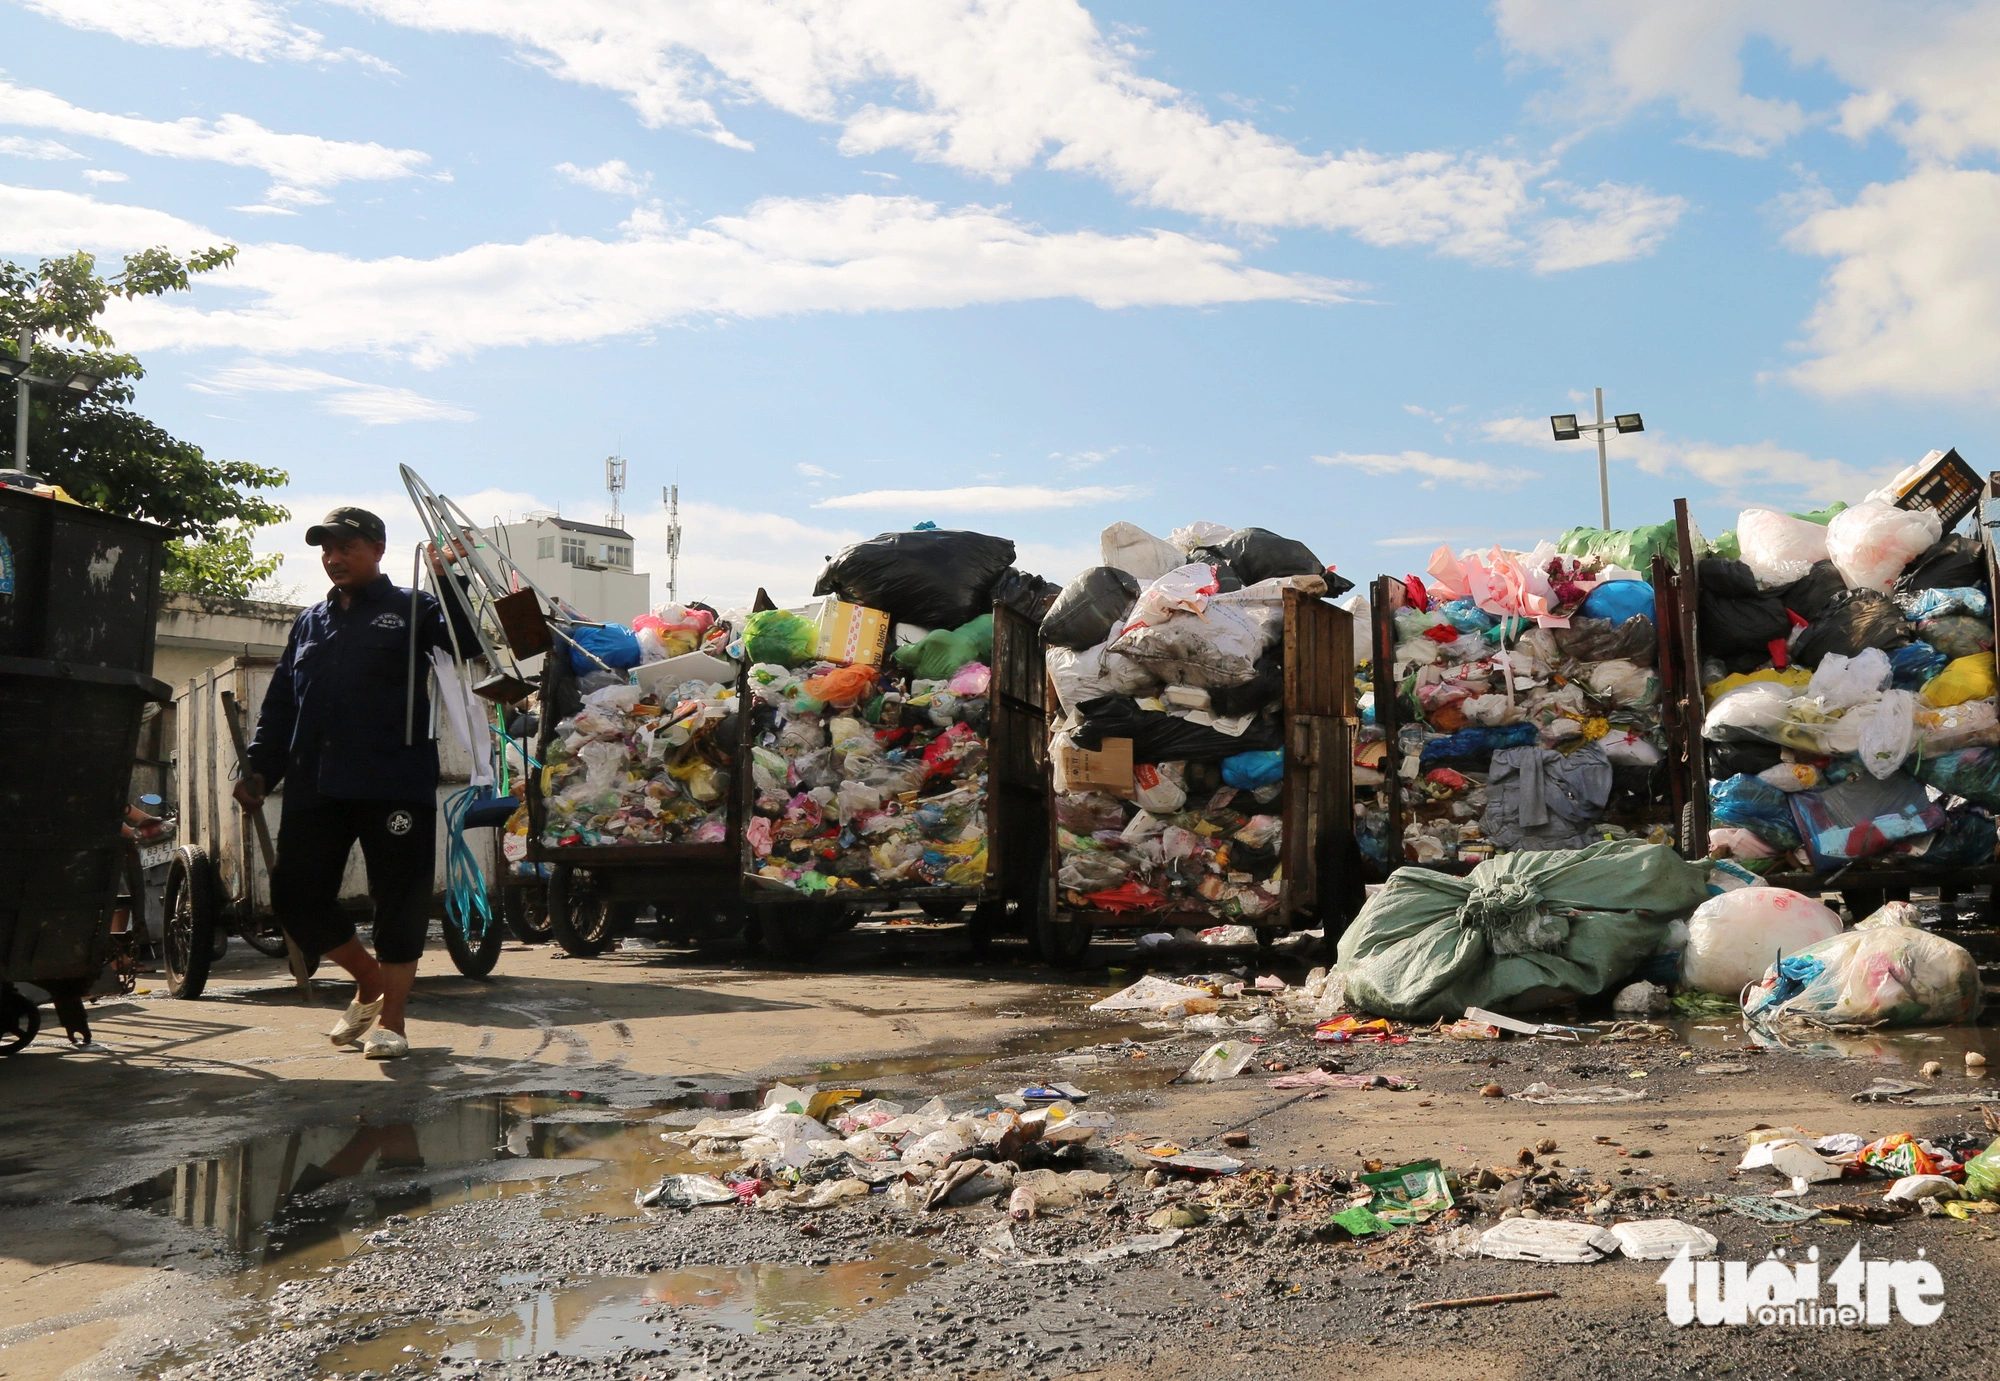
x: 609, y: 1314
x: 1032, y: 1042
x: 1912, y: 1047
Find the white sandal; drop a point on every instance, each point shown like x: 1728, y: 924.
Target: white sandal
x: 384, y: 1044
x: 357, y: 1019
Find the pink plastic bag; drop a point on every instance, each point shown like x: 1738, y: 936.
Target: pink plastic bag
x: 971, y: 679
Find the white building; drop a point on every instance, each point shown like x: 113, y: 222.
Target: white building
x: 587, y: 566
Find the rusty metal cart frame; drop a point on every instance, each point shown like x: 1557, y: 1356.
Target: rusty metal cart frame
x: 593, y: 889
x: 1318, y: 861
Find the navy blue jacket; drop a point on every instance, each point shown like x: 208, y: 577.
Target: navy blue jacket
x: 333, y: 717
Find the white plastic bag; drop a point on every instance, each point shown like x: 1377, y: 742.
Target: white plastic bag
x: 1871, y: 542
x: 1620, y: 682
x: 1751, y: 711
x: 1790, y: 776
x: 1132, y: 549
x: 1214, y: 648
x: 1778, y: 548
x: 1842, y: 681
x: 1094, y: 673
x: 1182, y: 590
x: 1160, y: 788
x: 1873, y: 975
x: 1199, y: 534
x: 1886, y: 730
x: 1223, y: 1060
x: 1734, y: 938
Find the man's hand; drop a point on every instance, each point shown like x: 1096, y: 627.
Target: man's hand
x: 250, y: 791
x: 450, y: 553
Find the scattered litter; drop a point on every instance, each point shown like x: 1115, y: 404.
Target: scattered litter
x: 1223, y: 1060
x: 1547, y: 1239
x: 1133, y: 1246
x: 1343, y: 1029
x: 686, y: 1191
x: 1319, y: 1078
x: 1197, y: 1162
x: 1911, y: 1188
x: 1466, y: 1029
x: 1789, y: 1158
x: 1409, y: 1193
x: 1153, y: 994
x: 1724, y: 1067
x: 1767, y: 1210
x: 1544, y: 1093
x: 1662, y: 1239
x: 1644, y: 998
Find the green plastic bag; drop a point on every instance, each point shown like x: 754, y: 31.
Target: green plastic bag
x: 1982, y: 1174
x: 777, y: 636
x: 1409, y: 1193
x: 1529, y: 927
x: 1633, y: 549
x: 937, y: 655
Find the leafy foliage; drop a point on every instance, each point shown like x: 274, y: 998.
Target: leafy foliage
x: 109, y: 456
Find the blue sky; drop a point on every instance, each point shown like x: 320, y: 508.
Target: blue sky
x: 1032, y: 266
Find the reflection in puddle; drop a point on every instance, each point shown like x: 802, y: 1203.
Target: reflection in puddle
x: 609, y: 1314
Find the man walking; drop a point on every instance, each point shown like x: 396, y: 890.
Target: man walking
x: 333, y: 728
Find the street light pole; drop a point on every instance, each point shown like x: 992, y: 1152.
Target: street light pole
x: 1567, y: 428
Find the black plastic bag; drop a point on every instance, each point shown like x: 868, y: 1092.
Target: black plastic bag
x: 1027, y: 595
x: 1090, y: 607
x: 1854, y: 619
x: 1259, y: 554
x: 1744, y: 758
x: 934, y: 579
x: 1226, y: 578
x: 1161, y: 737
x: 1266, y: 687
x: 1737, y: 619
x: 1952, y: 563
x: 1809, y: 595
x: 1599, y: 640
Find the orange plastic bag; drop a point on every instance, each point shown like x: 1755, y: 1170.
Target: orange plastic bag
x: 842, y: 686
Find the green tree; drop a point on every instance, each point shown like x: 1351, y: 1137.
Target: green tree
x: 107, y: 455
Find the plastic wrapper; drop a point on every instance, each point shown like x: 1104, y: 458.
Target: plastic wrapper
x: 1862, y: 817
x: 934, y: 579
x: 1090, y: 608
x: 1852, y: 621
x: 1871, y: 543
x: 1957, y: 635
x: 1965, y: 678
x: 1969, y: 724
x: 1750, y: 803
x: 1160, y: 787
x: 1843, y: 681
x: 1789, y: 777
x: 1872, y: 976
x: 1778, y: 548
x: 1935, y: 602
x: 1733, y: 938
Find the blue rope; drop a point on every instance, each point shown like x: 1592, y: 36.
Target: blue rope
x: 465, y: 885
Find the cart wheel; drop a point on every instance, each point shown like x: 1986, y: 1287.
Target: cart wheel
x: 187, y: 941
x: 475, y: 955
x: 526, y: 909
x: 20, y: 1021
x: 796, y: 932
x: 269, y: 943
x: 579, y: 917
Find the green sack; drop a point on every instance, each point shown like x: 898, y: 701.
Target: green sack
x: 777, y: 636
x: 1633, y: 549
x: 1533, y: 928
x: 1982, y: 1174
x: 937, y: 655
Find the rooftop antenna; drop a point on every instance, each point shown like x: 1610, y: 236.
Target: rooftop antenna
x: 671, y: 496
x: 614, y: 483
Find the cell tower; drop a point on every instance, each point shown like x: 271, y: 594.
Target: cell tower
x: 671, y: 497
x: 614, y: 484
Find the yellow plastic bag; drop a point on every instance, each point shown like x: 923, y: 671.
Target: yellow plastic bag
x: 1797, y: 677
x: 1963, y: 679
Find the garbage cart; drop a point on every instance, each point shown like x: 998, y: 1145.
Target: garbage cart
x: 1318, y: 864
x: 1864, y: 883
x: 79, y: 595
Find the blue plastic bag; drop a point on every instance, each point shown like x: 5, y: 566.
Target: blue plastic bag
x: 1931, y: 604
x: 613, y: 644
x: 1745, y: 803
x: 1478, y: 742
x: 1912, y: 664
x: 1619, y: 600
x: 1467, y: 617
x: 1248, y: 771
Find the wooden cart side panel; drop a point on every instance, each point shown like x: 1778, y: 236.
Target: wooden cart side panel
x: 1388, y: 596
x: 1017, y: 786
x: 1688, y: 589
x: 1318, y: 783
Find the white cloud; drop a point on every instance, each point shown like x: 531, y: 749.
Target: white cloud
x: 814, y: 472
x: 844, y: 254
x: 997, y: 88
x: 100, y: 176
x: 987, y: 498
x: 1740, y: 470
x: 372, y: 404
x: 298, y: 163
x: 1910, y: 305
x: 249, y: 29
x: 1430, y: 471
x: 47, y: 150
x: 612, y: 176
x: 1622, y: 223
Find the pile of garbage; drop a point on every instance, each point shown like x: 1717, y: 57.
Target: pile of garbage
x: 1168, y: 663
x: 1529, y: 709
x: 648, y: 757
x: 870, y: 715
x: 1849, y: 679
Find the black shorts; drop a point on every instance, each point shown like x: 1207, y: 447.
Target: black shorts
x: 399, y: 845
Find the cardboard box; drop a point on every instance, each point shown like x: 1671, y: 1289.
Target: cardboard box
x: 1107, y: 769
x: 852, y: 635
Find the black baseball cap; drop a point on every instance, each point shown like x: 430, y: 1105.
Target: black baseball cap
x: 346, y: 522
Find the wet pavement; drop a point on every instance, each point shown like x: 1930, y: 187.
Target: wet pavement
x: 415, y: 1224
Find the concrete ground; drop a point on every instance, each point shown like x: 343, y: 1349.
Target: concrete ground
x: 92, y: 1289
